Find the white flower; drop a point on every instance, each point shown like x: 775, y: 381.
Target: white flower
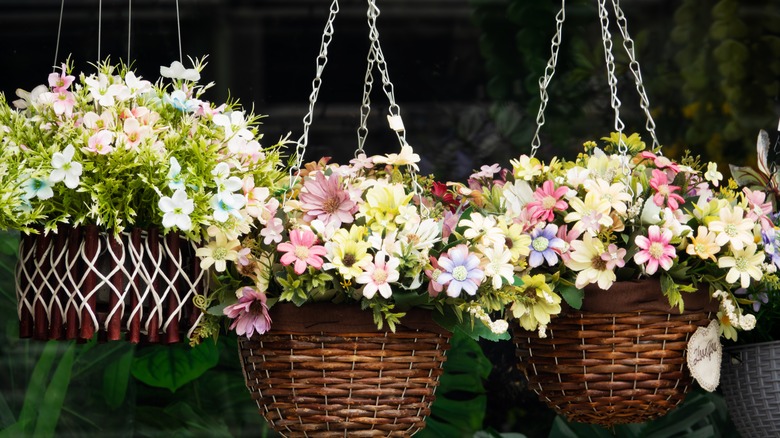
x: 174, y: 175
x: 177, y: 71
x: 37, y: 187
x: 499, y: 266
x: 226, y: 205
x: 484, y: 228
x: 378, y: 275
x: 65, y: 169
x: 406, y: 156
x: 136, y: 85
x: 516, y: 195
x: 712, y: 175
x: 235, y: 119
x: 744, y: 265
x: 177, y: 210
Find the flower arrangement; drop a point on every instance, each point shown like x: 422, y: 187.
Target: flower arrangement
x: 114, y: 150
x: 372, y: 232
x: 606, y: 217
x: 761, y: 299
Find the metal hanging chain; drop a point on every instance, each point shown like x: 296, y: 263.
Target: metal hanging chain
x: 100, y: 26
x: 59, y: 33
x: 628, y: 44
x: 394, y: 118
x: 129, y: 27
x: 365, y: 106
x: 178, y: 29
x: 316, y: 83
x: 549, y: 71
x: 609, y: 58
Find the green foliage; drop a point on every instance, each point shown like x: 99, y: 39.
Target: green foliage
x: 172, y: 366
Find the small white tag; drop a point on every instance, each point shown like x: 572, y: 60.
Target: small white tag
x: 704, y: 356
x: 396, y: 123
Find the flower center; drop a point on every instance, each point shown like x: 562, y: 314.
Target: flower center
x: 301, y: 252
x: 730, y: 230
x: 460, y: 273
x: 741, y: 264
x: 256, y: 308
x: 219, y: 253
x: 656, y: 250
x: 700, y: 248
x: 540, y: 243
x: 509, y: 243
x: 331, y: 205
x: 435, y: 274
x: 348, y: 260
x: 548, y: 202
x: 379, y: 276
x: 663, y: 190
x: 598, y: 263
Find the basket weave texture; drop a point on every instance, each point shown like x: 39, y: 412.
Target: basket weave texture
x: 750, y: 381
x: 81, y: 281
x: 325, y: 370
x: 604, y: 367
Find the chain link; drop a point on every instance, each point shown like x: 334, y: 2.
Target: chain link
x: 549, y: 71
x: 628, y: 44
x: 316, y: 83
x: 365, y: 107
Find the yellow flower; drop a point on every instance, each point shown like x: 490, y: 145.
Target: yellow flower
x: 526, y: 168
x: 218, y: 252
x: 537, y: 304
x: 383, y: 204
x: 589, y: 214
x: 519, y: 243
x: 703, y: 245
x: 348, y: 252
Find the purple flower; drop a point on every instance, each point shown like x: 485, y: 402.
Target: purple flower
x: 758, y: 298
x: 769, y: 237
x: 545, y: 245
x: 460, y: 271
x: 250, y: 313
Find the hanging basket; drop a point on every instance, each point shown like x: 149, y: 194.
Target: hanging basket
x: 749, y: 381
x: 80, y: 281
x: 619, y: 359
x: 325, y: 370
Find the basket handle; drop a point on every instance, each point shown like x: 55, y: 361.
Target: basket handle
x: 628, y: 45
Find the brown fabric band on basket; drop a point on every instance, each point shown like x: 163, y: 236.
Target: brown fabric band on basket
x: 642, y: 295
x: 329, y: 317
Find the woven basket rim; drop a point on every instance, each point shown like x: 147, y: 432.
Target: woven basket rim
x: 641, y: 296
x: 327, y: 317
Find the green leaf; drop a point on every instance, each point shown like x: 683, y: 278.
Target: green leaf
x: 36, y: 388
x: 51, y: 406
x: 171, y: 366
x: 116, y: 377
x: 571, y: 294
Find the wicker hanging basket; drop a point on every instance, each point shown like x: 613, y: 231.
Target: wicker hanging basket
x: 619, y: 359
x: 749, y: 381
x: 325, y: 370
x: 80, y: 281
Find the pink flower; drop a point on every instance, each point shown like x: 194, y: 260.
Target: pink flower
x: 378, y: 275
x: 301, y: 250
x: 758, y: 210
x: 272, y: 233
x: 547, y: 199
x: 434, y: 287
x: 664, y: 191
x: 655, y: 250
x: 614, y: 257
x: 59, y: 82
x: 661, y: 162
x: 100, y: 142
x: 567, y: 236
x: 135, y: 133
x: 255, y: 197
x: 322, y: 198
x: 250, y: 313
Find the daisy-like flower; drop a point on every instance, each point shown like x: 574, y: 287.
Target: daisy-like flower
x: 378, y: 275
x: 547, y: 200
x: 482, y: 229
x: 703, y: 245
x: 660, y: 161
x: 218, y: 252
x: 323, y: 198
x: 249, y: 314
x: 536, y: 304
x: 498, y: 267
x: 383, y: 205
x: 460, y: 271
x: 745, y: 263
x: 348, y: 252
x: 589, y: 214
x: 615, y: 193
x: 712, y: 175
x: 518, y: 242
x: 665, y: 191
x: 176, y: 210
x: 526, y: 168
x: 586, y: 258
x: 545, y: 245
x: 405, y: 157
x: 655, y: 250
x: 302, y: 250
x: 433, y: 272
x: 65, y: 169
x: 733, y: 227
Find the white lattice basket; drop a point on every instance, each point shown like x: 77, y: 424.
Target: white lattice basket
x: 79, y: 281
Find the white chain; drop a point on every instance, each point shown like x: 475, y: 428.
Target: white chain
x: 549, y: 71
x: 628, y: 44
x: 322, y: 60
x: 365, y: 107
x: 395, y: 111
